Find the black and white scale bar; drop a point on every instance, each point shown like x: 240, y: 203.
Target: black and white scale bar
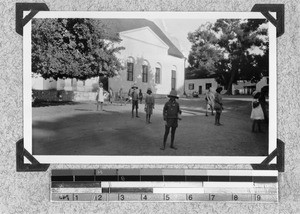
x: 168, y: 175
x: 164, y: 185
x: 170, y: 187
x: 167, y: 178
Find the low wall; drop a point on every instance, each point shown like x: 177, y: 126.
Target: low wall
x: 61, y: 95
x: 52, y: 95
x: 84, y: 96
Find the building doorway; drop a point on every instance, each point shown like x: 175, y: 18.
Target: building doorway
x: 200, y: 89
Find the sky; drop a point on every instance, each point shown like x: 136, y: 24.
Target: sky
x: 178, y: 29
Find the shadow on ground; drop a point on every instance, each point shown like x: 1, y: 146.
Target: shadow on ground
x: 80, y: 130
x: 36, y: 104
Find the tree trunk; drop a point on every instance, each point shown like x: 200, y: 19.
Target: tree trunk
x: 229, y: 87
x: 99, y: 72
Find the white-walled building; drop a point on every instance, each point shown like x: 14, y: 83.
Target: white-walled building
x: 150, y: 59
x: 241, y: 87
x: 199, y: 85
x: 247, y: 87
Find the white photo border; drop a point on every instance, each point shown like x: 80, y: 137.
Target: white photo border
x: 83, y: 159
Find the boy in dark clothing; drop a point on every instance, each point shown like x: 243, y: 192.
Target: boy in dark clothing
x: 135, y: 100
x: 171, y: 113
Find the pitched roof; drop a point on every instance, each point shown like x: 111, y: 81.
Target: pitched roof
x: 120, y: 25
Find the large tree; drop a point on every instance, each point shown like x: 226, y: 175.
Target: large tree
x: 74, y: 48
x: 243, y: 45
x: 204, y: 52
x: 238, y: 38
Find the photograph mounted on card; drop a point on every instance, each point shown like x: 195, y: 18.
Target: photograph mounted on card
x: 149, y: 87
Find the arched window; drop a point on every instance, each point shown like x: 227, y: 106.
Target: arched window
x: 145, y: 71
x: 173, y: 78
x: 158, y: 73
x: 130, y: 62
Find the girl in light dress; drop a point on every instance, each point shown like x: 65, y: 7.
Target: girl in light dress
x: 257, y: 114
x: 100, y: 97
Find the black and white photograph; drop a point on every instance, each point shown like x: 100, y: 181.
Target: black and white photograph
x: 149, y: 87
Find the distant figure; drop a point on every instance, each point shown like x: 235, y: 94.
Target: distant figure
x: 129, y: 93
x: 140, y: 96
x: 209, y: 98
x: 257, y: 114
x: 111, y: 95
x: 100, y: 96
x: 218, y: 106
x: 121, y: 98
x: 129, y: 98
x: 171, y: 113
x: 149, y: 104
x: 135, y: 100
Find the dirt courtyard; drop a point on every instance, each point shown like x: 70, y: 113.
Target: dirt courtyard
x: 78, y: 129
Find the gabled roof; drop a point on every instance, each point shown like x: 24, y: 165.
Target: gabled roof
x: 120, y: 25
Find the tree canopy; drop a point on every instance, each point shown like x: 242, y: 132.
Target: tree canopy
x: 74, y: 48
x: 204, y: 53
x: 229, y: 50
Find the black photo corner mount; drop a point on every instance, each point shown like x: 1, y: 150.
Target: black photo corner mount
x: 278, y: 153
x: 278, y: 22
x: 265, y: 9
x: 35, y: 166
x: 34, y: 8
x: 21, y: 152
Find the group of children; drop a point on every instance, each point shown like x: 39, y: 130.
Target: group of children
x: 258, y: 112
x: 134, y: 96
x: 137, y: 97
x: 172, y: 112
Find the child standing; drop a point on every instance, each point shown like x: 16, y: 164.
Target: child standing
x: 100, y: 97
x: 135, y: 101
x: 218, y: 106
x: 171, y: 113
x: 149, y: 105
x: 209, y: 98
x: 257, y: 114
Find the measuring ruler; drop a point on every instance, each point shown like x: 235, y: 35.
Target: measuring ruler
x: 108, y: 185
